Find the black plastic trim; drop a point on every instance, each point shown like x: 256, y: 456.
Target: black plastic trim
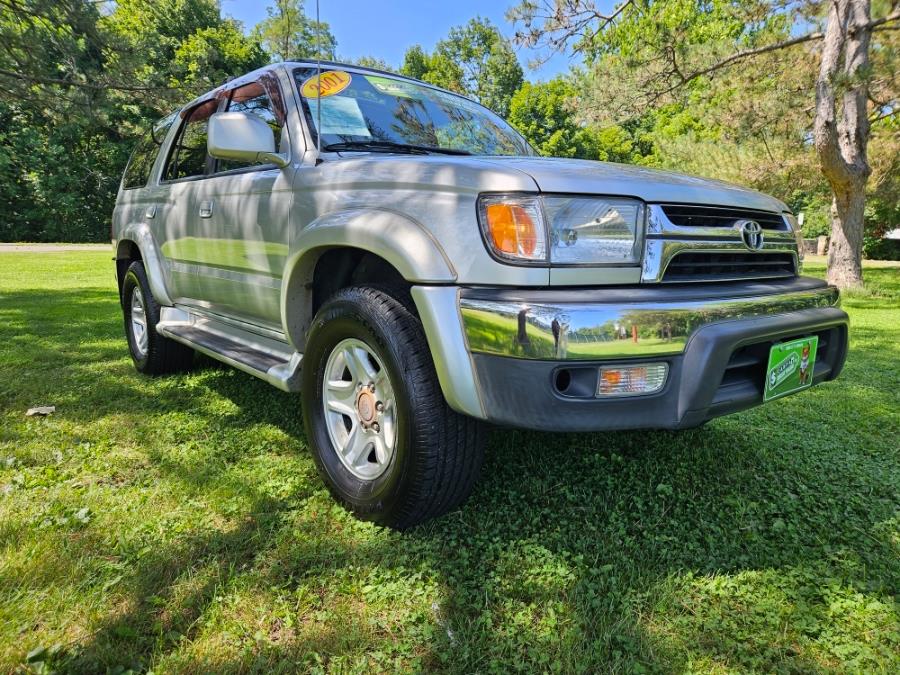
x: 520, y: 393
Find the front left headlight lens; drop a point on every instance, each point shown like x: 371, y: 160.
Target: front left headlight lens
x: 577, y: 230
x: 595, y: 230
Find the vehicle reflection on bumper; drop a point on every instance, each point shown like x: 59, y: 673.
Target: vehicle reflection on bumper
x: 590, y: 325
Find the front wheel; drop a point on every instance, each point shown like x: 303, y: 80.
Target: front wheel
x: 383, y: 437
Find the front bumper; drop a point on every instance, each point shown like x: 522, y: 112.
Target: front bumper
x: 715, y: 339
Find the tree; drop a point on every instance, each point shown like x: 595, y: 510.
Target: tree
x: 490, y: 70
x: 207, y: 57
x: 371, y: 62
x: 288, y: 34
x: 646, y: 54
x: 545, y: 113
x: 437, y: 69
x: 500, y: 78
x: 475, y: 60
x: 70, y: 111
x: 841, y: 133
x: 416, y: 63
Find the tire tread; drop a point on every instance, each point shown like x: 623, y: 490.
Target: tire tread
x: 449, y: 446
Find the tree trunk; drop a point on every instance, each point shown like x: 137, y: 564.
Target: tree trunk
x: 841, y: 140
x: 845, y: 251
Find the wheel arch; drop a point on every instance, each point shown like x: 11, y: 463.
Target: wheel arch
x: 137, y: 240
x: 400, y: 248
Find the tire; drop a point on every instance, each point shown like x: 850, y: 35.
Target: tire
x: 429, y: 457
x: 153, y: 354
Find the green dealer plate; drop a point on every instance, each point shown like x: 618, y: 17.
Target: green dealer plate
x: 790, y: 367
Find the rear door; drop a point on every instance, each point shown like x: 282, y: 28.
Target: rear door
x: 243, y: 224
x: 141, y: 200
x: 187, y: 167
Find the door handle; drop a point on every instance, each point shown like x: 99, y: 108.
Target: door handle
x: 206, y: 209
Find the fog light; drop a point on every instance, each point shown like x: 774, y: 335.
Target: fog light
x: 646, y: 378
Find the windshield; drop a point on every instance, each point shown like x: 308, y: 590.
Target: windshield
x: 372, y: 112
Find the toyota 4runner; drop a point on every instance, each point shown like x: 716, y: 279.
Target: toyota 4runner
x: 400, y: 255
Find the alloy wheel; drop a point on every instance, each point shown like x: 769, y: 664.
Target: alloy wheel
x: 360, y: 409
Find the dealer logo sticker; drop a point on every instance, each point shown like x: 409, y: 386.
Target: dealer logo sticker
x: 783, y: 370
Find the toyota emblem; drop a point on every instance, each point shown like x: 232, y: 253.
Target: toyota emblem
x: 751, y: 234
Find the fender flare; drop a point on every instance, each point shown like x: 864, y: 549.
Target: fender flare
x: 140, y: 235
x: 401, y: 241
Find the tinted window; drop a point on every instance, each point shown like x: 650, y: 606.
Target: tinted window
x: 255, y: 98
x: 137, y: 173
x: 188, y: 156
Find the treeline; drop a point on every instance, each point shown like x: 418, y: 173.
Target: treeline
x: 79, y: 80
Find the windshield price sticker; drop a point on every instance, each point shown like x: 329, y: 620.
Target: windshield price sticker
x: 340, y: 116
x: 329, y: 83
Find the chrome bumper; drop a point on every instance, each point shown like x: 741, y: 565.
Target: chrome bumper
x: 611, y: 325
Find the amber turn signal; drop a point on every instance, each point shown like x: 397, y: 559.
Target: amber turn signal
x: 512, y: 230
x: 513, y: 226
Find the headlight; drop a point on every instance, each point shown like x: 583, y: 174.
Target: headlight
x: 575, y: 230
x: 592, y: 230
x: 798, y: 235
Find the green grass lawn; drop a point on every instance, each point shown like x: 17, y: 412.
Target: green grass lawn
x: 177, y: 524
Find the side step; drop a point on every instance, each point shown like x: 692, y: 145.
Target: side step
x: 271, y: 360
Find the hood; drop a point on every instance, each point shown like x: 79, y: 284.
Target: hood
x: 652, y: 185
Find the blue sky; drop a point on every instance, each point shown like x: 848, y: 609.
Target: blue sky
x: 385, y: 28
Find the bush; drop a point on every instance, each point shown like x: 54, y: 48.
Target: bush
x: 881, y: 249
x: 816, y: 213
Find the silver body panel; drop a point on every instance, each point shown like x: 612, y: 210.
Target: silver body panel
x: 240, y: 248
x: 581, y: 176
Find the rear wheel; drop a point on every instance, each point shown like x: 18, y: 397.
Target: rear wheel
x: 151, y: 353
x: 383, y: 437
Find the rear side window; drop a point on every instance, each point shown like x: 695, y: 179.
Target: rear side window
x: 188, y: 156
x: 137, y: 173
x: 260, y: 99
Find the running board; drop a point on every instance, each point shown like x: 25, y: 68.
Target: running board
x: 270, y: 360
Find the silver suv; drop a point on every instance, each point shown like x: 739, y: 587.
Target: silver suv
x: 400, y: 255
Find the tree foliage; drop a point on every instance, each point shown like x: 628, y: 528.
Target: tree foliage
x: 370, y: 62
x: 76, y: 88
x: 288, y: 34
x: 475, y: 60
x: 545, y: 113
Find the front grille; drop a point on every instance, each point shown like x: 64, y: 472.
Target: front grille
x: 702, y: 266
x: 689, y: 215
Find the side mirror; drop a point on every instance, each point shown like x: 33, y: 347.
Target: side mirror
x: 243, y: 137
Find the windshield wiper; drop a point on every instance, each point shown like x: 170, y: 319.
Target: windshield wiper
x: 391, y: 146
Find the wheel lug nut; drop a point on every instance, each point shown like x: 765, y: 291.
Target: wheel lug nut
x: 379, y: 406
x: 371, y: 386
x: 376, y: 428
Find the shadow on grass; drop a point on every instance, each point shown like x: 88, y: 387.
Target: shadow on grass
x: 581, y: 550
